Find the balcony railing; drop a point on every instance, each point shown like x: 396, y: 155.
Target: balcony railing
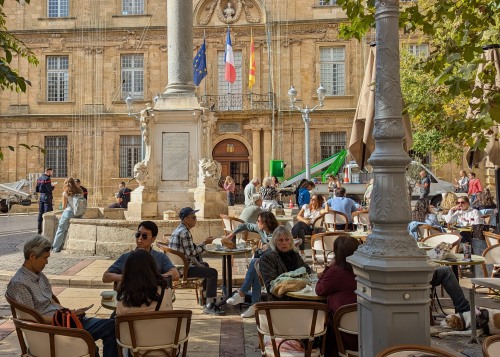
x: 238, y: 101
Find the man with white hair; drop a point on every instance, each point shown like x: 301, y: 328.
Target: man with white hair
x: 250, y: 189
x: 250, y: 213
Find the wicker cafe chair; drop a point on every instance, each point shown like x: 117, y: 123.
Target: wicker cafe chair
x: 166, y: 332
x: 413, y: 350
x: 426, y: 230
x: 323, y: 243
x: 42, y: 340
x: 181, y: 263
x: 263, y: 296
x: 317, y: 228
x: 345, y: 323
x: 333, y: 219
x: 491, y: 238
x: 290, y: 320
x: 491, y: 256
x: 491, y: 346
x: 361, y: 217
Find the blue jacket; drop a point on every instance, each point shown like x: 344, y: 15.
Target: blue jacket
x: 304, y: 197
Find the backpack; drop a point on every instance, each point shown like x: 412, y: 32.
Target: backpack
x: 79, y: 205
x: 66, y: 318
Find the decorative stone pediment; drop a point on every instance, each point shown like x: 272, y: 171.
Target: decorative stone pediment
x: 228, y: 12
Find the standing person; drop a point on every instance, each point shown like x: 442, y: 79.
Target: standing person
x: 229, y: 187
x: 44, y: 187
x: 333, y: 184
x: 269, y: 194
x: 266, y: 224
x: 297, y: 190
x: 250, y: 189
x: 474, y: 186
x: 305, y: 219
x: 250, y: 213
x: 367, y: 197
x: 142, y: 288
x: 424, y: 184
x: 304, y: 193
x: 30, y: 287
x: 338, y: 283
x: 182, y: 241
x: 70, y: 190
x: 462, y: 184
x: 122, y: 197
x: 84, y: 189
x: 343, y: 204
x: 144, y: 239
x: 280, y: 258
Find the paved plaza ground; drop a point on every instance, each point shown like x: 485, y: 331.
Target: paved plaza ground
x: 77, y: 282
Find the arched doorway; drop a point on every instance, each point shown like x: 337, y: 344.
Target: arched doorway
x: 233, y: 156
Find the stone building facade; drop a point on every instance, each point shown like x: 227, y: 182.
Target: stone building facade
x: 93, y: 53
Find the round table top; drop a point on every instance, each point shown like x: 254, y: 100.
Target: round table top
x: 228, y: 251
x: 425, y: 246
x: 359, y: 235
x: 476, y: 260
x: 308, y: 293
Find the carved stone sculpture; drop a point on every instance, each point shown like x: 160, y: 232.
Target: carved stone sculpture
x: 232, y: 12
x: 141, y: 173
x: 209, y: 172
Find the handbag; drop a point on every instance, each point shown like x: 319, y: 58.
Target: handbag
x: 66, y: 318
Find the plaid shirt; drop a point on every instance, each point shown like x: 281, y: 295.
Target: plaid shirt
x: 32, y: 290
x: 182, y: 241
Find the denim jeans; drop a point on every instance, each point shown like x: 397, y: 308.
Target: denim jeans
x: 252, y: 282
x: 62, y: 229
x: 102, y: 329
x: 444, y: 276
x: 44, y: 206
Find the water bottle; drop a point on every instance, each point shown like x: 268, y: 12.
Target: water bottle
x: 60, y: 206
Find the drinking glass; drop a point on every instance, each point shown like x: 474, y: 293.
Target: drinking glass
x: 360, y: 228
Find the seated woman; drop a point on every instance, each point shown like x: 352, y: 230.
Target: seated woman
x: 269, y: 194
x: 280, y: 258
x: 338, y: 283
x: 422, y: 214
x: 308, y: 213
x: 486, y: 206
x: 142, y: 287
x: 462, y: 215
x: 266, y: 224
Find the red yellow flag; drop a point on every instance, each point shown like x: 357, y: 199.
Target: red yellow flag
x: 251, y: 67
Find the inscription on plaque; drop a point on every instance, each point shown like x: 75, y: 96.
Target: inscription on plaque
x: 229, y: 127
x: 175, y: 161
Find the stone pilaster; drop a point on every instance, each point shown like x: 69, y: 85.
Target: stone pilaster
x: 256, y: 164
x: 267, y: 152
x: 393, y: 274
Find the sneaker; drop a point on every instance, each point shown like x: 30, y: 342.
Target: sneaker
x: 220, y: 301
x: 236, y: 299
x: 249, y: 313
x: 213, y: 310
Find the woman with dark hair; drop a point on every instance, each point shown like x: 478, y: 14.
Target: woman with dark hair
x: 142, y: 287
x: 308, y: 213
x: 338, y: 283
x: 304, y: 193
x: 422, y: 214
x: 280, y: 258
x: 484, y: 200
x: 266, y: 224
x: 70, y: 190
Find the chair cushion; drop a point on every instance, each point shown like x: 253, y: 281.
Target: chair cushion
x: 289, y: 348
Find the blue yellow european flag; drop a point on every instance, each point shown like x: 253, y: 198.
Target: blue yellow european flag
x: 200, y: 64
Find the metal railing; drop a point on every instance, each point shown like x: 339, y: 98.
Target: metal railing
x: 238, y: 101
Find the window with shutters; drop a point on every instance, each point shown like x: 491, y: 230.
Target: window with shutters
x: 331, y: 143
x: 133, y: 76
x: 57, y: 78
x: 230, y: 94
x: 332, y: 70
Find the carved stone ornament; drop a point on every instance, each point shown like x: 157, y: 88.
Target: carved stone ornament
x: 141, y: 169
x: 229, y: 11
x: 209, y: 172
x: 141, y: 173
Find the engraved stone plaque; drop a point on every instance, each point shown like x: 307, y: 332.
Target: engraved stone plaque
x: 175, y: 160
x: 230, y: 127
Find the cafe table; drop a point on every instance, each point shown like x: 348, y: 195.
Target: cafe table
x: 287, y: 221
x: 456, y: 259
x: 227, y: 271
x: 361, y: 236
x: 307, y: 293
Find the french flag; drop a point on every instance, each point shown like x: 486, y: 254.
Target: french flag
x: 230, y: 74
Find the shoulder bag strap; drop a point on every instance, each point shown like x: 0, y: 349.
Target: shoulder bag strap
x: 158, y: 304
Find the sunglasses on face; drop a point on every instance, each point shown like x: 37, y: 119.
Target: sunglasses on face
x: 138, y: 235
x: 460, y: 202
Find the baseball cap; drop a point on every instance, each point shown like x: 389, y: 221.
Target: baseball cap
x: 186, y: 211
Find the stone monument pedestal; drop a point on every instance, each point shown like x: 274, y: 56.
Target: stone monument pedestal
x: 143, y: 204
x: 211, y: 202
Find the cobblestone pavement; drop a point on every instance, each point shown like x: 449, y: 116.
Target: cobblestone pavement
x: 210, y: 336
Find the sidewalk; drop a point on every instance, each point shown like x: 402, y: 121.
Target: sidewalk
x: 77, y: 283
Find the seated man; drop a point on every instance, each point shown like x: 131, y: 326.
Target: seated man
x: 463, y: 215
x: 343, y: 204
x: 122, y: 197
x: 144, y: 239
x: 30, y: 287
x: 250, y: 213
x: 182, y: 241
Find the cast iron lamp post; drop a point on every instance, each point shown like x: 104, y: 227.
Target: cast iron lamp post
x: 292, y: 94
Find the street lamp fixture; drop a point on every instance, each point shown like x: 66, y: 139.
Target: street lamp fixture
x: 292, y: 94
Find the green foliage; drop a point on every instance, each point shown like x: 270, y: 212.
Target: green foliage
x: 438, y: 88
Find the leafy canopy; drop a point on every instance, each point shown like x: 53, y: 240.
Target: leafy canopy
x: 456, y: 31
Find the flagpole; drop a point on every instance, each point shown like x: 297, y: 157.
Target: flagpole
x: 249, y: 67
x: 205, y: 82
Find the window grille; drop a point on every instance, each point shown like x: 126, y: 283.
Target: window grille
x: 331, y: 143
x: 230, y: 95
x: 58, y: 8
x: 57, y: 78
x: 130, y: 154
x: 133, y: 7
x: 327, y: 2
x: 133, y: 76
x: 332, y: 70
x: 418, y: 50
x: 56, y: 155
